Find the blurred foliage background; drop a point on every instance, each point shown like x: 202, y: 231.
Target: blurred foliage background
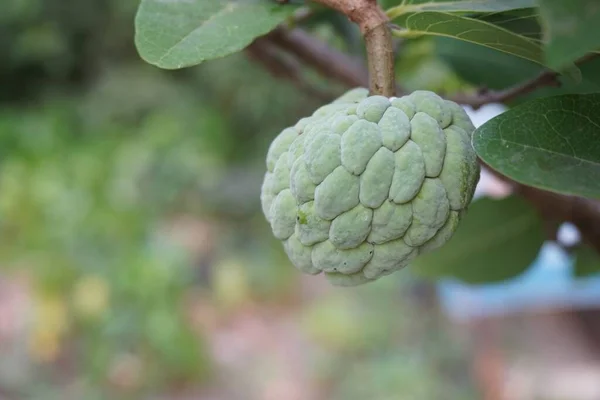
x: 135, y: 260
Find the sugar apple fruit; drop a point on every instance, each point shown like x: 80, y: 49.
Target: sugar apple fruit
x: 367, y: 183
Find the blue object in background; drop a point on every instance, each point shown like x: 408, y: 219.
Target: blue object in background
x: 549, y: 283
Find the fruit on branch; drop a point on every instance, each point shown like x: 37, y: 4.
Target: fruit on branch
x: 367, y: 183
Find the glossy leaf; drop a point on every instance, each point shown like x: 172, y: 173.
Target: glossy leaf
x: 460, y: 6
x: 496, y: 240
x: 571, y: 29
x: 551, y: 143
x: 470, y: 30
x: 486, y: 67
x: 174, y: 34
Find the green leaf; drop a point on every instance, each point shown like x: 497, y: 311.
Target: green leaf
x: 460, y: 6
x: 482, y: 66
x: 174, y: 34
x: 470, y: 30
x: 496, y: 240
x: 551, y: 143
x: 523, y: 22
x: 571, y: 29
x: 587, y: 262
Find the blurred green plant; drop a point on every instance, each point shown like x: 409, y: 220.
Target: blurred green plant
x: 78, y: 210
x: 101, y: 153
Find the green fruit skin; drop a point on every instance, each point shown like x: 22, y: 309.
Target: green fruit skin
x: 366, y: 184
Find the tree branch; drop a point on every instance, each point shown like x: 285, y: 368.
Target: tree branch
x: 265, y: 53
x: 349, y: 71
x: 581, y: 212
x: 483, y: 96
x: 330, y: 63
x: 545, y: 79
x: 373, y: 24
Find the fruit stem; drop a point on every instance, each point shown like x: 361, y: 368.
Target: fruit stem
x: 373, y: 24
x: 381, y: 60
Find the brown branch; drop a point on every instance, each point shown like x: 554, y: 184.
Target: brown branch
x: 268, y: 55
x: 581, y: 212
x: 330, y: 63
x: 546, y: 78
x: 373, y: 23
x: 381, y: 61
x: 349, y: 71
x: 483, y: 97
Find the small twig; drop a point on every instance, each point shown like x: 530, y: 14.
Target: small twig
x: 583, y: 213
x: 351, y: 72
x: 546, y: 78
x: 303, y: 15
x: 380, y: 51
x: 279, y: 66
x: 373, y: 23
x: 330, y: 63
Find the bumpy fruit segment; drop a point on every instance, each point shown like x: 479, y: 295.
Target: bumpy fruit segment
x: 366, y: 183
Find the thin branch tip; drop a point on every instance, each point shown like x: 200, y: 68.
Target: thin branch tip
x: 546, y: 78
